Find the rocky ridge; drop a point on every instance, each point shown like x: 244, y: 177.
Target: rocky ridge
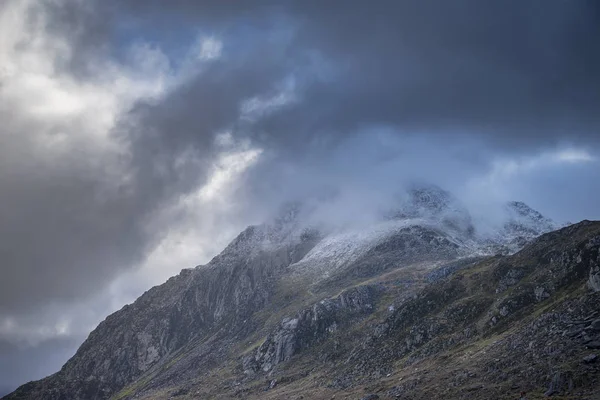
x: 295, y: 310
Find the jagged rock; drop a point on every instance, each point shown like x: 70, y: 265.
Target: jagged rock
x: 590, y: 359
x: 473, y: 388
x: 593, y: 345
x: 573, y: 332
x: 511, y: 278
x: 594, y: 279
x: 540, y: 293
x: 560, y: 382
x: 370, y: 397
x: 310, y: 326
x: 522, y: 225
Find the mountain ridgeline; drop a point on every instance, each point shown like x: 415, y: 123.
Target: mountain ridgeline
x: 418, y: 304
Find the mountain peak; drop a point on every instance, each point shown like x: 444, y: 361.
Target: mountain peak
x: 523, y: 210
x: 522, y: 224
x: 521, y: 214
x: 436, y: 205
x: 430, y: 197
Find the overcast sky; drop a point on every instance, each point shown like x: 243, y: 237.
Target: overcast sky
x: 137, y: 137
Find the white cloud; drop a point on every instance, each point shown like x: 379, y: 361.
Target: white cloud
x: 256, y: 107
x: 226, y: 169
x: 574, y: 156
x: 209, y: 48
x: 508, y: 168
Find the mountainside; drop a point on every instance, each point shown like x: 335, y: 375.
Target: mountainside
x: 411, y: 306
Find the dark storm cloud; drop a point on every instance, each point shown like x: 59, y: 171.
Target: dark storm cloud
x: 518, y: 73
x: 190, y: 118
x: 521, y: 75
x: 64, y: 230
x: 524, y: 73
x: 67, y: 227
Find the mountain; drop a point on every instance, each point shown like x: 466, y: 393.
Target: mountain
x: 523, y: 224
x: 413, y: 305
x: 432, y: 203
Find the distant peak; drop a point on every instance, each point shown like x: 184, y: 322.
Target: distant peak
x: 430, y: 197
x: 521, y: 210
x: 524, y: 223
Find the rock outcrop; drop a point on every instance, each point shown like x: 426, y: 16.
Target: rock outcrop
x: 310, y: 326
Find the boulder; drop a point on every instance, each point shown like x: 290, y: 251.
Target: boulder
x: 594, y: 279
x: 590, y: 359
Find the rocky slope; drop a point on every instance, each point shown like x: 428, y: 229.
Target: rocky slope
x: 412, y: 306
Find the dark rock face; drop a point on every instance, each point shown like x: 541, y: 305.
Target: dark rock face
x: 413, y: 244
x: 526, y: 223
x: 559, y: 383
x: 594, y: 279
x: 370, y: 397
x: 410, y: 316
x: 309, y: 326
x: 167, y: 317
x: 590, y: 359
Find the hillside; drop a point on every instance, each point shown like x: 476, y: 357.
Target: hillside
x: 413, y: 306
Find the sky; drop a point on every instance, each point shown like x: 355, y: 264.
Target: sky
x: 138, y: 137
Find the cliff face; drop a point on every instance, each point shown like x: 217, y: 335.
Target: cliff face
x: 296, y: 311
x: 310, y: 326
x: 186, y: 308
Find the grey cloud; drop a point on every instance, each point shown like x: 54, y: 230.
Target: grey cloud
x: 521, y: 74
x: 64, y: 232
x: 19, y: 365
x: 524, y: 73
x: 67, y: 228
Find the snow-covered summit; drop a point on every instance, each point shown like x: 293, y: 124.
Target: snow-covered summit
x: 423, y: 223
x: 525, y: 218
x: 286, y: 229
x: 436, y: 205
x: 522, y: 224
